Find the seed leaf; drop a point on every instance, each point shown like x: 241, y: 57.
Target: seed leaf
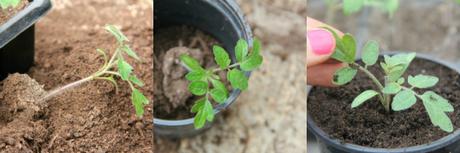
x: 403, y: 100
x: 138, y: 100
x: 191, y: 63
x: 349, y: 46
x: 256, y: 46
x: 436, y: 113
x: 199, y: 75
x: 370, y: 52
x: 130, y: 52
x: 221, y: 56
x: 219, y: 85
x: 241, y: 50
x: 116, y: 32
x: 364, y: 96
x: 124, y: 69
x: 391, y: 88
x: 136, y: 81
x: 422, y: 81
x: 351, y: 6
x: 218, y: 95
x: 198, y: 88
x: 253, y: 62
x: 344, y: 75
x: 339, y: 52
x: 237, y: 79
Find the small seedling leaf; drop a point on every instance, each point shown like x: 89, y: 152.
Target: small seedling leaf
x: 364, y: 96
x: 256, y: 46
x: 253, y: 62
x: 241, y: 50
x: 130, y: 52
x: 397, y: 64
x: 370, y: 52
x: 437, y: 114
x: 139, y: 100
x: 344, y: 75
x: 136, y: 81
x: 351, y: 6
x: 198, y: 105
x: 438, y: 101
x: 237, y: 79
x: 221, y: 56
x: 198, y: 88
x: 199, y: 75
x: 422, y: 81
x: 124, y: 69
x: 191, y: 63
x: 209, y: 111
x: 116, y: 32
x: 403, y: 100
x: 219, y: 85
x: 400, y: 81
x: 339, y: 52
x: 218, y: 95
x: 200, y: 118
x: 391, y: 88
x: 350, y: 47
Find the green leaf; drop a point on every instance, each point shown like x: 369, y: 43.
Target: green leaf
x: 116, y: 32
x: 351, y: 6
x: 436, y: 113
x: 397, y: 65
x: 458, y: 1
x: 218, y: 95
x: 237, y: 79
x: 422, y: 81
x: 253, y: 62
x: 205, y: 112
x: 370, y: 52
x: 199, y: 75
x: 221, y: 57
x: 191, y: 63
x: 344, y: 75
x: 198, y: 88
x: 403, y: 100
x: 364, y: 96
x: 136, y: 81
x: 391, y: 6
x: 400, y: 81
x: 439, y: 101
x: 256, y: 46
x: 391, y: 88
x: 138, y: 100
x: 130, y: 52
x: 339, y: 52
x: 198, y: 105
x: 124, y: 69
x: 4, y: 4
x: 350, y: 47
x: 208, y: 108
x: 241, y: 50
x: 219, y: 85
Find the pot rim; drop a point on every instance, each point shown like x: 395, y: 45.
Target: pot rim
x: 434, y: 145
x: 232, y: 7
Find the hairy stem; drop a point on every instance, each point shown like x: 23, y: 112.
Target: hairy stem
x: 384, y: 99
x: 64, y: 88
x: 229, y: 67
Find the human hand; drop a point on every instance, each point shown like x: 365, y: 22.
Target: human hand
x: 320, y: 46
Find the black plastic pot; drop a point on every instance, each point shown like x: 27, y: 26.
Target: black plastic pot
x: 17, y: 37
x: 447, y: 144
x: 223, y: 20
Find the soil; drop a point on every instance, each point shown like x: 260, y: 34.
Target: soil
x: 5, y: 15
x: 172, y: 98
x: 370, y: 125
x: 92, y: 117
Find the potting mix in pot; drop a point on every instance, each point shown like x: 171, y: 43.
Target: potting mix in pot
x: 389, y: 101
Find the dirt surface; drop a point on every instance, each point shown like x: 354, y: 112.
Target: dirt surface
x: 5, y: 15
x: 22, y: 122
x: 270, y: 116
x: 370, y: 125
x: 172, y: 98
x: 93, y: 117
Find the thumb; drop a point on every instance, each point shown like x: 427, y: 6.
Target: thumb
x: 320, y: 42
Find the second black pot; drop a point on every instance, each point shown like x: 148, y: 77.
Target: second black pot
x: 223, y: 20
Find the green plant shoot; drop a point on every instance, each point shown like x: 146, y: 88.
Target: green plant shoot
x: 392, y: 93
x: 4, y: 4
x: 114, y: 67
x: 206, y: 82
x: 353, y: 6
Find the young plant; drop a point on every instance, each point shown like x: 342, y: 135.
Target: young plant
x: 392, y: 93
x: 114, y: 67
x: 4, y: 4
x: 206, y: 82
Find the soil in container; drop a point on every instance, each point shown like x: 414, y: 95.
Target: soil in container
x: 172, y: 98
x: 5, y: 15
x: 369, y: 124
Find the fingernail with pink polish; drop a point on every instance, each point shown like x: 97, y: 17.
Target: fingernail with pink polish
x: 321, y: 41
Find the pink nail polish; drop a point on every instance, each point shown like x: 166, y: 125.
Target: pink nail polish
x: 321, y: 41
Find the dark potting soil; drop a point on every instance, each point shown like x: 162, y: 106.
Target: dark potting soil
x: 172, y: 98
x: 5, y: 15
x: 370, y: 125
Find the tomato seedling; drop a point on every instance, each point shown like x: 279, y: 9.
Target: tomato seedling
x: 206, y: 82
